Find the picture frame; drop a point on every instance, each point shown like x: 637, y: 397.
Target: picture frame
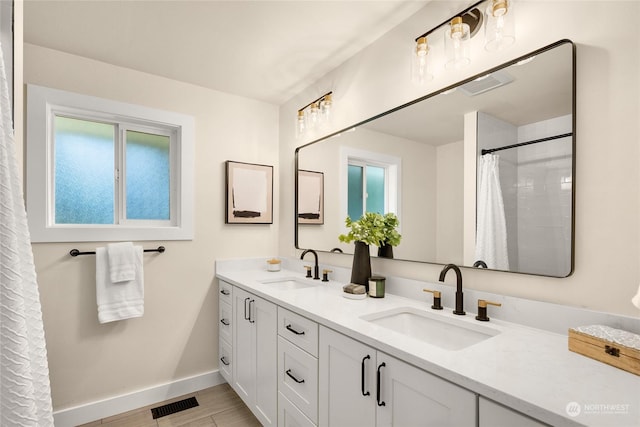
x: 249, y: 193
x: 310, y: 197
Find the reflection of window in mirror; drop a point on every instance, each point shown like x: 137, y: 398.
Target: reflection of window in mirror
x: 371, y: 183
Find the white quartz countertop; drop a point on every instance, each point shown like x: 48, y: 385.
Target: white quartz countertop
x: 529, y: 370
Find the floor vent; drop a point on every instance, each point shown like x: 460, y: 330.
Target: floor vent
x: 172, y: 408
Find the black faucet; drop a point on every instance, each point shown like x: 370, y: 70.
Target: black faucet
x: 316, y: 269
x: 459, y: 299
x: 480, y: 263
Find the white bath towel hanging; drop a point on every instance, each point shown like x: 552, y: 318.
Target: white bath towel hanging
x: 122, y: 300
x: 25, y: 397
x: 122, y: 262
x: 491, y: 232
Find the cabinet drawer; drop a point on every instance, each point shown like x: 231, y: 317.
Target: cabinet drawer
x: 224, y: 362
x: 289, y: 415
x: 299, y: 330
x: 226, y: 292
x: 224, y: 324
x: 298, y: 378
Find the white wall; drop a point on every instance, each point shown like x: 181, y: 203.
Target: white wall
x: 607, y: 183
x: 177, y: 337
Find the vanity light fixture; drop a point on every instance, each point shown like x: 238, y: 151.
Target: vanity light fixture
x: 499, y: 25
x: 314, y: 113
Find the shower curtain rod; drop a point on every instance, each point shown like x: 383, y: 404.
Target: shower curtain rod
x: 76, y: 252
x: 535, y: 141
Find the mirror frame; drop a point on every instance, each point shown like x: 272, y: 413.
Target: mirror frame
x: 438, y: 92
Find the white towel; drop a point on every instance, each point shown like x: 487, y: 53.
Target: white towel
x: 636, y: 300
x: 118, y: 301
x: 122, y: 262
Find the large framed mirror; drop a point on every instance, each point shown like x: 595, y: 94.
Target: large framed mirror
x: 479, y: 173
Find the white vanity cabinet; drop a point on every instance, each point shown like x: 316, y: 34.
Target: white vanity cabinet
x: 255, y: 354
x: 491, y: 414
x: 297, y: 370
x: 362, y: 386
x: 225, y: 328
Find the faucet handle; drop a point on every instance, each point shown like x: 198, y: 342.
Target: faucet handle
x: 325, y: 275
x: 308, y: 267
x: 437, y: 301
x: 482, y: 309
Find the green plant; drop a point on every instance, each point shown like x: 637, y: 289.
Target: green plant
x: 391, y: 235
x: 372, y: 229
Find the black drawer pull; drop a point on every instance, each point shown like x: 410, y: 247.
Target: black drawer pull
x: 245, y: 309
x: 252, y: 318
x: 364, y: 393
x: 224, y: 360
x: 225, y: 322
x: 611, y: 350
x: 293, y: 378
x: 225, y: 292
x: 293, y: 330
x: 382, y: 365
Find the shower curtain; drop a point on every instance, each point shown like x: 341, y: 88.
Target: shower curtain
x: 491, y: 226
x: 25, y: 393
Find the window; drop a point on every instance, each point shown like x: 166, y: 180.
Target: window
x: 371, y: 183
x: 100, y: 170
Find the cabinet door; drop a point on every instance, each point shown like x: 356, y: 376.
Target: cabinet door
x: 347, y: 384
x: 243, y: 348
x: 410, y: 396
x: 264, y: 316
x: 493, y: 415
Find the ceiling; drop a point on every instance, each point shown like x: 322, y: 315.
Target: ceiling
x: 265, y: 50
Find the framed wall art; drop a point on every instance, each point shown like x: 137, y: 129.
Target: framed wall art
x: 310, y: 197
x: 249, y: 193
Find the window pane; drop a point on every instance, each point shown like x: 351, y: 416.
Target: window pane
x: 148, y: 176
x: 354, y: 192
x: 375, y: 189
x: 84, y: 184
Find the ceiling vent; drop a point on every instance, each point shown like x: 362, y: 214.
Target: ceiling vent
x: 486, y: 83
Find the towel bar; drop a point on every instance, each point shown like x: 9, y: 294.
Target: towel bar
x: 76, y: 252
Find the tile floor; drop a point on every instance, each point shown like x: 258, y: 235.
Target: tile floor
x: 219, y: 406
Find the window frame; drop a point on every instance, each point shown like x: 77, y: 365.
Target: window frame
x: 393, y: 177
x: 43, y: 104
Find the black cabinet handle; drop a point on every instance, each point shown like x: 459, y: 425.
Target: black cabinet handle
x: 225, y: 292
x: 288, y: 372
x: 293, y: 330
x: 245, y: 309
x: 251, y: 316
x: 224, y: 360
x: 364, y: 393
x: 382, y: 365
x: 225, y: 322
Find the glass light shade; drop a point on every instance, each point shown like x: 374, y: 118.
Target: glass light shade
x: 499, y: 27
x: 420, y: 62
x: 313, y: 114
x: 325, y: 108
x: 300, y: 124
x: 456, y: 44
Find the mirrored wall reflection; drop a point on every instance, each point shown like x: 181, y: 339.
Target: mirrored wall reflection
x: 426, y: 161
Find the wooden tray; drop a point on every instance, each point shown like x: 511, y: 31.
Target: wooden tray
x: 609, y: 345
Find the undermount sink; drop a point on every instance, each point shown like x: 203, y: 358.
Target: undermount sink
x: 289, y: 284
x: 443, y: 332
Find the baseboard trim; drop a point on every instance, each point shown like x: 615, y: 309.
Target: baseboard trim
x: 93, y: 411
